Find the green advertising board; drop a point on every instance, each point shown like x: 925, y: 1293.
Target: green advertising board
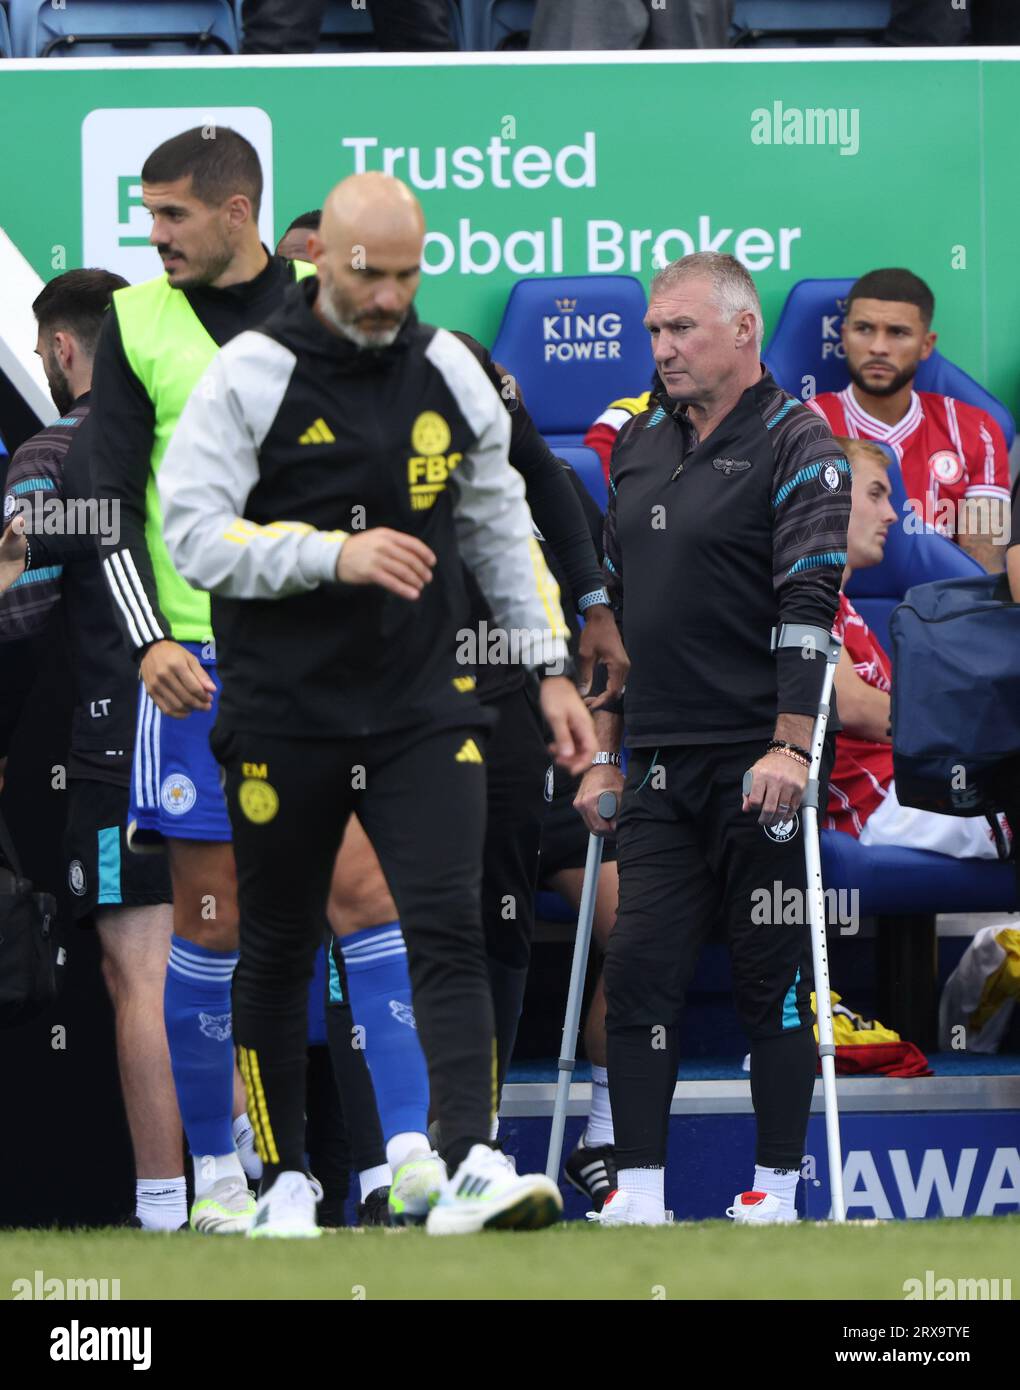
x: 826, y: 167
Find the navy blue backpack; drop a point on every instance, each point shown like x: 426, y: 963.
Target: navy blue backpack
x: 956, y: 696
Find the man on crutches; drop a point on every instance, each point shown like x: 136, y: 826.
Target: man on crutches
x: 727, y: 523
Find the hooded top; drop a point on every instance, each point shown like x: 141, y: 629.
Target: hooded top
x: 295, y: 439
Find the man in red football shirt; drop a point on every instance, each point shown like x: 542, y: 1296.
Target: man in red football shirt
x: 953, y: 456
x: 862, y: 793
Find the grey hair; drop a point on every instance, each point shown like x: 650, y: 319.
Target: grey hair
x: 734, y: 291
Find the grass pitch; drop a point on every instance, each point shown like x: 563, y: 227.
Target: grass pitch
x: 709, y: 1259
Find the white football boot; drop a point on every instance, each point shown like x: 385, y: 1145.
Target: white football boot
x: 622, y: 1209
x: 227, y: 1209
x: 287, y: 1210
x: 758, y: 1209
x: 486, y: 1194
x: 416, y: 1188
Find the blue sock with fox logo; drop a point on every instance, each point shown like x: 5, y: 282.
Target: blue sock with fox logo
x: 380, y: 999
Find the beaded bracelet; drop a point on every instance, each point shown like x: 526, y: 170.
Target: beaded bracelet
x: 780, y: 745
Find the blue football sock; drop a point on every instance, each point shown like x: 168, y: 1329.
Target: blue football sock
x: 196, y: 1006
x: 380, y: 995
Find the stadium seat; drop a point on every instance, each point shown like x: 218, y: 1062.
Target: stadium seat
x: 6, y: 48
x: 911, y: 557
x: 808, y: 23
x: 495, y: 24
x: 894, y: 881
x: 347, y: 30
x: 588, y: 467
x: 905, y: 889
x: 116, y: 28
x: 344, y: 29
x: 574, y: 343
x: 806, y: 344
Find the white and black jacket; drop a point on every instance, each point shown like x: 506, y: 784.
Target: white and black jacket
x: 295, y: 438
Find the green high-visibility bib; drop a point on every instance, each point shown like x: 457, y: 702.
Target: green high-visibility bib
x: 168, y: 349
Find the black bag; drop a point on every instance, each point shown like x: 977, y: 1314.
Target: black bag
x: 31, y: 960
x: 956, y: 696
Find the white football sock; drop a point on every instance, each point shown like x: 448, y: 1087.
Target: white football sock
x: 404, y: 1146
x: 210, y: 1168
x: 599, y: 1129
x: 646, y: 1189
x: 244, y: 1142
x: 161, y: 1204
x: 782, y: 1183
x: 493, y: 1129
x: 371, y: 1178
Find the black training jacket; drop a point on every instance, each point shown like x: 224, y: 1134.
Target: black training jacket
x: 296, y: 439
x: 708, y: 546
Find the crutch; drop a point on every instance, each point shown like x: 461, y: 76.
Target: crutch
x: 606, y: 806
x: 816, y: 639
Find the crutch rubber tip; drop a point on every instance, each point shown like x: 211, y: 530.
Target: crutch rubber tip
x: 606, y: 805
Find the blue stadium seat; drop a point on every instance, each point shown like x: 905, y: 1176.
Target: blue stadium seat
x: 118, y: 28
x: 588, y: 467
x: 808, y: 23
x: 574, y: 343
x: 347, y: 30
x: 806, y: 343
x: 493, y: 24
x: 893, y: 881
x: 910, y: 558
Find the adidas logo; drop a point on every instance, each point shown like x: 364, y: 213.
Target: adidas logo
x: 595, y: 1175
x: 472, y: 1186
x: 318, y: 433
x: 469, y: 753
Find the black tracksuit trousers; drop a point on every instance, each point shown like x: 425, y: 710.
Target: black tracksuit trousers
x: 686, y: 853
x: 421, y: 798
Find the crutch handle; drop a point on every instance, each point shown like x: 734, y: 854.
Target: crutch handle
x: 606, y: 805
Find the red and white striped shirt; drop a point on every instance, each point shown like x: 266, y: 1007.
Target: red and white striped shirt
x: 863, y: 768
x: 947, y: 450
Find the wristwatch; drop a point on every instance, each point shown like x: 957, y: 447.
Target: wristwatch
x: 565, y: 667
x: 607, y: 759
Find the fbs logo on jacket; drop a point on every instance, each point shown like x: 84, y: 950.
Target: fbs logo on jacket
x: 430, y: 465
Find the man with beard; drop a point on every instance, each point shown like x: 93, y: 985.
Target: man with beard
x: 202, y: 189
x: 953, y: 456
x: 329, y: 478
x: 48, y: 556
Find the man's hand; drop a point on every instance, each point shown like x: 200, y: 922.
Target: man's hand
x: 175, y: 680
x: 392, y: 559
x: 573, y: 733
x: 779, y: 783
x: 13, y: 549
x: 601, y: 641
x: 604, y: 778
